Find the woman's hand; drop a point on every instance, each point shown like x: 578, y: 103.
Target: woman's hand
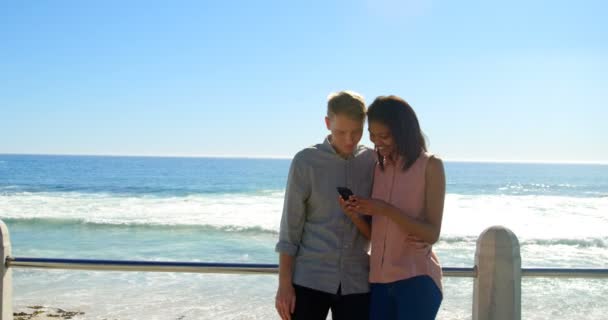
x: 368, y: 206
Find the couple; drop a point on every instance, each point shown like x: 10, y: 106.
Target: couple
x: 324, y: 241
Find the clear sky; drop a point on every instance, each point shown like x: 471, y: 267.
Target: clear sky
x: 490, y: 80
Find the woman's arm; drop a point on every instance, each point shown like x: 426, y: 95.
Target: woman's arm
x: 427, y: 229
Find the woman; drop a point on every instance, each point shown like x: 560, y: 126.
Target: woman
x: 406, y: 209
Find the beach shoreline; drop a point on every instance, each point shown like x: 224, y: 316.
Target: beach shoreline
x: 45, y: 313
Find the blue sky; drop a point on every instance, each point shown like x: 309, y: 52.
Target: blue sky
x: 490, y: 80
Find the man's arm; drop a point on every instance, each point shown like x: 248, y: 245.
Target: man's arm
x: 290, y: 235
x: 285, y: 269
x: 297, y: 193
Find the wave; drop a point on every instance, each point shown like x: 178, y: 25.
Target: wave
x: 464, y: 215
x: 43, y: 223
x: 582, y: 243
x: 530, y: 189
x: 457, y: 239
x: 237, y: 212
x: 131, y: 191
x: 168, y: 189
x: 595, y: 242
x: 530, y: 217
x: 460, y: 241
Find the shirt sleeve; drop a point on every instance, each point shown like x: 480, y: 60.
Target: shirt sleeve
x: 294, y: 209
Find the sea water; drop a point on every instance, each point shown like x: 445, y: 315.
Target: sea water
x: 228, y: 210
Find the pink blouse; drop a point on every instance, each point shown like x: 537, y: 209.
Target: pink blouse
x: 397, y: 255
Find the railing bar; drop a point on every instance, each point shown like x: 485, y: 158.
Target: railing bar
x: 565, y: 273
x: 169, y: 266
x: 215, y: 267
x: 16, y: 261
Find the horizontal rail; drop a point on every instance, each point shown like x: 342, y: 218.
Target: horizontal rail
x: 459, y: 272
x: 564, y: 273
x: 247, y: 268
x: 170, y: 266
x: 147, y: 266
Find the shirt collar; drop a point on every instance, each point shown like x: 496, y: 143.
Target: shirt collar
x: 329, y: 148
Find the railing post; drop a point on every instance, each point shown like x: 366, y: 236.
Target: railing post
x: 497, y: 288
x: 6, y: 287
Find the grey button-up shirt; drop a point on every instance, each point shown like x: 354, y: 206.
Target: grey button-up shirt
x: 329, y: 250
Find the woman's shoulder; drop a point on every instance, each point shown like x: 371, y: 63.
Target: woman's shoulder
x: 434, y: 165
x: 433, y: 158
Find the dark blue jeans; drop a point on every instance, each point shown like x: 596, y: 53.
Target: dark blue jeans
x: 416, y: 298
x: 315, y: 305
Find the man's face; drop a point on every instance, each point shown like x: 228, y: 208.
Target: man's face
x: 345, y: 133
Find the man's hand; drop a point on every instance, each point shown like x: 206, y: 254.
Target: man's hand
x: 285, y: 301
x: 347, y: 207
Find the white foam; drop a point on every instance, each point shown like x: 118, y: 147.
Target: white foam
x: 246, y: 211
x: 530, y: 217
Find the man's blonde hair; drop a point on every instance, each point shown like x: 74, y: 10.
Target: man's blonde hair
x: 348, y: 103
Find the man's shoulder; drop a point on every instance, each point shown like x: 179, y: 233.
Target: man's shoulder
x: 365, y: 153
x: 305, y: 155
x: 364, y: 149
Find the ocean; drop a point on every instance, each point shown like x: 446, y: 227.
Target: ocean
x: 228, y: 210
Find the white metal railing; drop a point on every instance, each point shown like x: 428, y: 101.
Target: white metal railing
x: 251, y: 268
x: 170, y: 266
x: 497, y: 273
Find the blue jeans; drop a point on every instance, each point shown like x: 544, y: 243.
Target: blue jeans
x: 416, y: 298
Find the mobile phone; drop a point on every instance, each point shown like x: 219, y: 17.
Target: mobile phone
x: 345, y: 192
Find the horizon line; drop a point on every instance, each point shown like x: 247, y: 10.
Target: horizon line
x: 280, y: 157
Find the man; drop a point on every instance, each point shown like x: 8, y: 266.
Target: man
x: 324, y: 262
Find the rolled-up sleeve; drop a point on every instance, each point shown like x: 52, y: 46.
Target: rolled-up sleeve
x: 294, y: 209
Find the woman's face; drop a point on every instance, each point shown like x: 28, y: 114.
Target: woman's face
x: 382, y: 138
